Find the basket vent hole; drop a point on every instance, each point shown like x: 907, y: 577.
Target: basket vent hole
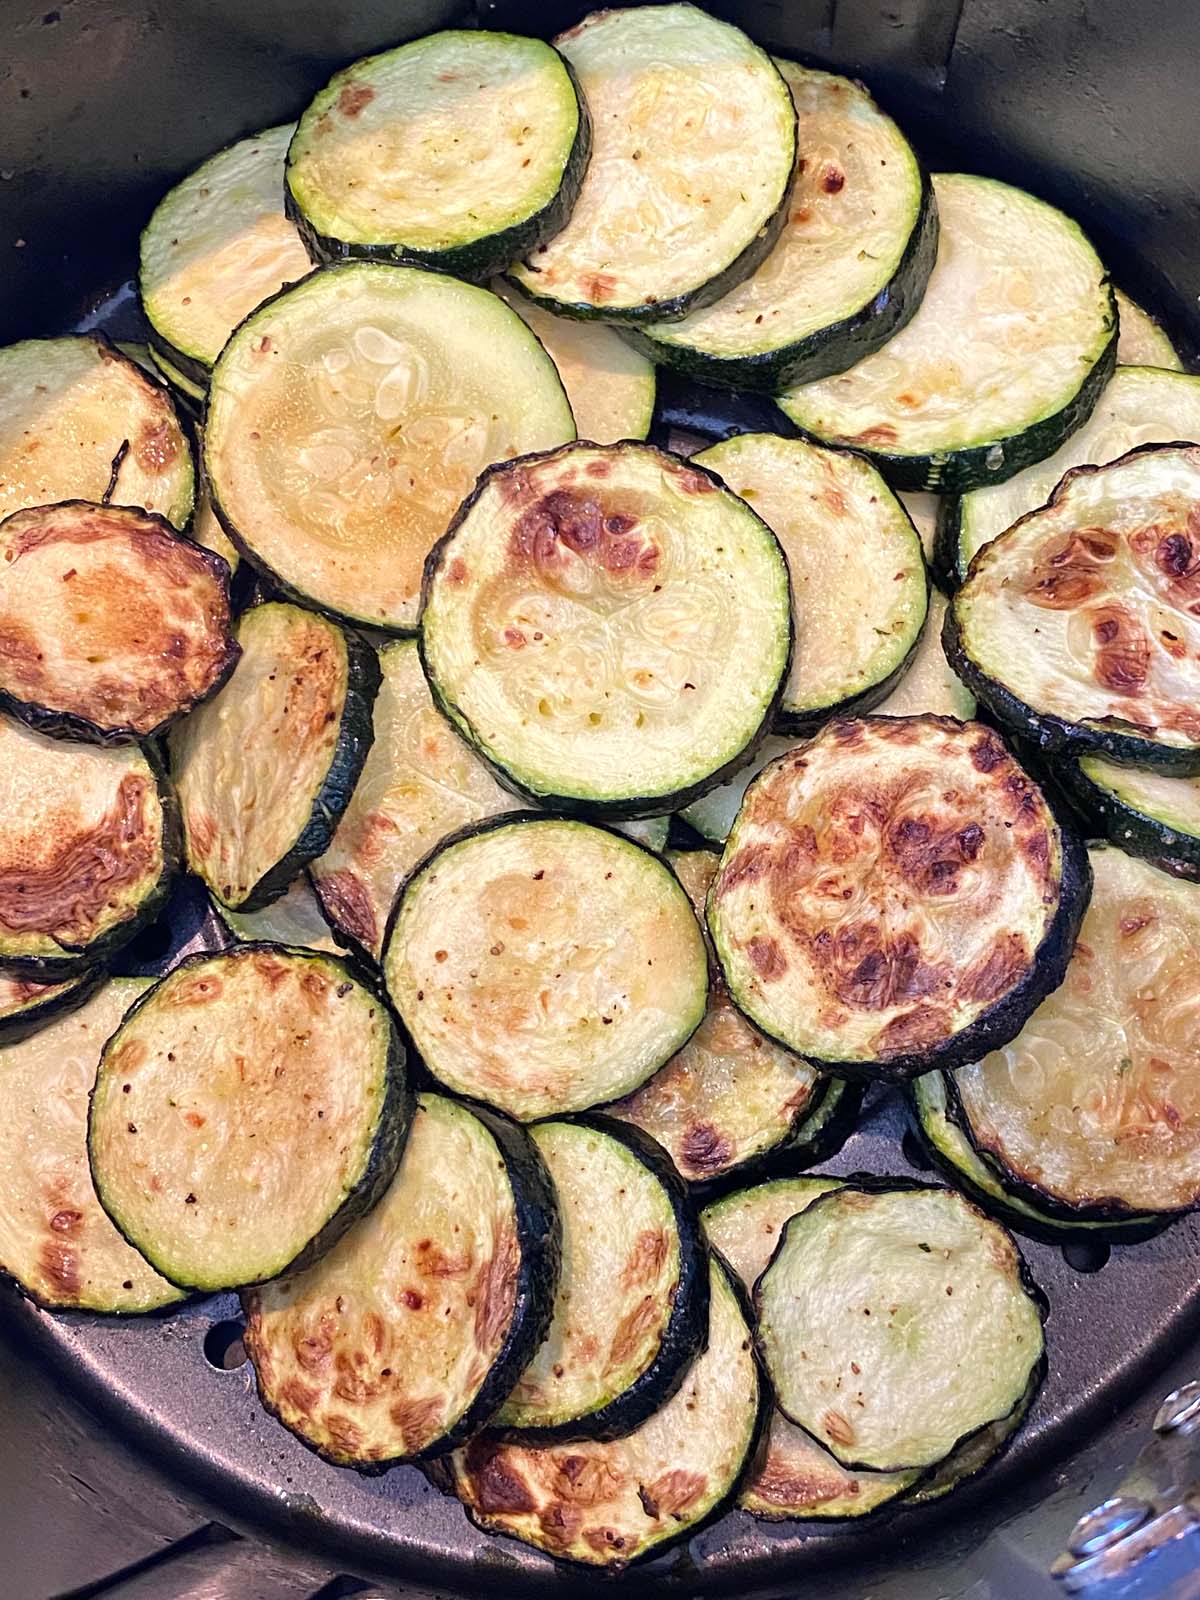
x: 1086, y: 1255
x: 224, y: 1347
x: 914, y: 1154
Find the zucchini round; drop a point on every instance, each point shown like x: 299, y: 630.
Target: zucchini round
x: 896, y: 1323
x: 27, y: 1005
x: 895, y: 895
x: 404, y: 1338
x: 349, y: 416
x: 249, y: 1108
x: 462, y: 150
x: 830, y: 1119
x: 979, y: 1451
x: 671, y: 214
x: 296, y: 918
x: 545, y: 966
x: 1141, y: 341
x: 1144, y: 813
x: 631, y: 1312
x: 1005, y: 357
x: 608, y: 626
x: 265, y: 770
x: 112, y: 624
x: 190, y: 394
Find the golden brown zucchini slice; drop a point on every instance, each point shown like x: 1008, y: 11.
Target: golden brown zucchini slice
x: 27, y: 1004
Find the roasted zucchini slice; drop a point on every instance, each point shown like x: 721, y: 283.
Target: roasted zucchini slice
x: 348, y: 417
x: 631, y: 1312
x: 463, y: 150
x: 406, y: 1336
x: 607, y: 1504
x: 27, y: 1005
x: 1142, y: 342
x: 979, y: 1451
x: 265, y: 770
x: 1005, y: 357
x: 1079, y: 629
x: 296, y: 918
x: 544, y: 965
x: 830, y: 1119
x: 88, y: 848
x: 923, y: 508
x: 54, y: 1238
x: 896, y: 1323
x: 112, y: 625
x: 730, y: 1095
x: 859, y: 589
x: 190, y: 394
x: 1144, y: 813
x: 895, y: 895
x: 217, y: 246
x: 81, y: 421
x: 848, y: 269
x: 608, y: 626
x: 205, y: 527
x: 671, y: 214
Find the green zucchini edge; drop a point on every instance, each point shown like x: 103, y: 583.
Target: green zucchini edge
x: 1131, y: 830
x: 18, y: 1025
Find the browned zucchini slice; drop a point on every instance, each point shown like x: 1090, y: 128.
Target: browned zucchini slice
x: 27, y: 1004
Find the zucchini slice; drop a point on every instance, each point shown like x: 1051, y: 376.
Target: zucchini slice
x: 1079, y: 628
x: 671, y: 214
x: 248, y: 1109
x: 54, y: 1238
x: 1005, y: 357
x: 859, y: 589
x: 1142, y: 342
x: 1093, y: 1110
x: 404, y: 1338
x: 190, y: 394
x: 349, y: 416
x: 1144, y: 813
x: 206, y: 526
x: 218, y: 245
x: 27, y: 1005
x: 848, y: 269
x: 608, y: 626
x: 463, y: 150
x: 112, y: 624
x: 607, y: 1504
x: 979, y: 1451
x: 631, y: 1312
x: 81, y: 421
x: 296, y: 918
x: 544, y: 965
x: 895, y: 895
x: 265, y: 770
x: 867, y: 1349
x: 88, y: 849
x: 923, y: 509
x: 653, y: 832
x: 729, y: 1095
x: 831, y: 1118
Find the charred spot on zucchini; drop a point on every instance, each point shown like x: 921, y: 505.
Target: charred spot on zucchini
x: 28, y: 1004
x: 895, y: 895
x: 609, y: 627
x: 1142, y: 342
x: 296, y: 918
x: 404, y: 1338
x: 544, y: 965
x: 1144, y: 813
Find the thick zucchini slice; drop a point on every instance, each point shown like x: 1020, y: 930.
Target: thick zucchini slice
x: 348, y: 417
x: 544, y: 965
x: 27, y: 1005
x: 112, y: 624
x: 54, y: 1238
x: 729, y: 1095
x: 1079, y: 628
x: 609, y: 627
x: 296, y: 918
x: 631, y: 1312
x: 462, y: 150
x: 1142, y: 342
x: 405, y: 1337
x: 69, y: 408
x: 88, y: 848
x: 1144, y: 813
x: 671, y: 214
x: 265, y: 770
x: 849, y: 268
x: 1005, y: 357
x: 859, y: 589
x: 218, y: 245
x: 895, y: 895
x: 896, y: 1322
x: 249, y: 1108
x: 607, y: 1504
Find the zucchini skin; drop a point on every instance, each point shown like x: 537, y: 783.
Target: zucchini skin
x: 801, y: 1148
x: 28, y: 1021
x: 1132, y: 830
x: 947, y: 534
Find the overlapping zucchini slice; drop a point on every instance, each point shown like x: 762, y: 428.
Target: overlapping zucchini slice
x: 296, y: 918
x: 1145, y: 813
x: 27, y: 1004
x: 1142, y: 342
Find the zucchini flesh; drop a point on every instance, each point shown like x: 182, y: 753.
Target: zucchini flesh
x: 27, y: 1004
x: 978, y: 1452
x: 349, y: 416
x: 858, y: 584
x: 1144, y: 813
x: 112, y: 624
x: 54, y: 1238
x: 923, y: 508
x: 296, y: 918
x: 67, y: 408
x: 893, y: 894
x: 545, y: 966
x: 1141, y: 341
x: 653, y: 832
x: 248, y: 1109
x: 866, y: 1349
x: 1079, y: 627
x: 185, y: 389
x: 1005, y: 357
x: 607, y: 1504
x: 266, y: 769
x: 677, y: 98
x: 403, y: 1338
x: 608, y: 626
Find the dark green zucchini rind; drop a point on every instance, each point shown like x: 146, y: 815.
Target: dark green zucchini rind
x: 982, y: 1450
x: 294, y: 1061
x: 27, y: 1006
x: 1146, y: 814
x: 826, y: 1126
